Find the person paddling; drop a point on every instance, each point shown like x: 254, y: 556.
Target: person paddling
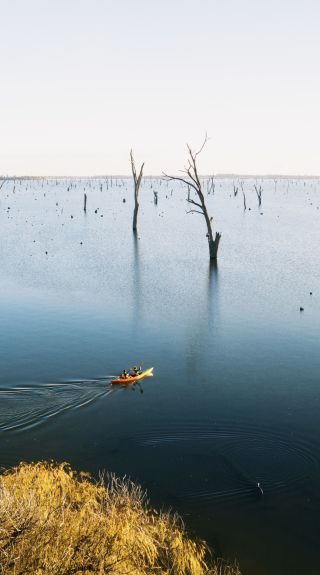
x: 134, y: 371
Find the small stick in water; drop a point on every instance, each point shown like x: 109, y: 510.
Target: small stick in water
x: 260, y: 488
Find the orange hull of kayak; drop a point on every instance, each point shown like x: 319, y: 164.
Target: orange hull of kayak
x: 133, y: 379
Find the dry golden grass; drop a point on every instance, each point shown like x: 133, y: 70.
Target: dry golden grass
x: 54, y: 521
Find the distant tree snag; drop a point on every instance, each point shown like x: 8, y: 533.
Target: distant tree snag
x: 137, y: 183
x: 192, y: 181
x: 259, y: 193
x: 244, y: 200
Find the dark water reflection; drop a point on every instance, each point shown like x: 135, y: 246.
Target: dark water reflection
x: 235, y: 397
x: 137, y: 296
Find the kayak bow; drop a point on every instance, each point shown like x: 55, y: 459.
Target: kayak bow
x: 133, y: 378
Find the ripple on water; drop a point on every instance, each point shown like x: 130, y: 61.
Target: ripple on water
x: 24, y: 407
x: 220, y: 462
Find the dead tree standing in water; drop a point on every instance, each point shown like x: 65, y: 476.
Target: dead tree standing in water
x: 193, y: 182
x: 259, y: 193
x: 137, y: 182
x: 244, y: 200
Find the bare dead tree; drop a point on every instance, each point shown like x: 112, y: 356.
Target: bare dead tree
x: 85, y: 202
x: 192, y: 181
x: 244, y: 200
x: 137, y: 183
x: 259, y: 193
x: 210, y: 185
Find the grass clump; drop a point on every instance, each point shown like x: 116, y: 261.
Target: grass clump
x: 55, y: 521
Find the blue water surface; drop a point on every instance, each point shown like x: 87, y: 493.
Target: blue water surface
x: 234, y: 400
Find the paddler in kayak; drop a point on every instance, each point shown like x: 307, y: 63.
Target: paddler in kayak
x: 135, y: 371
x: 136, y: 376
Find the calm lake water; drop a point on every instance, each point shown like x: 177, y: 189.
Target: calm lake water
x: 236, y: 394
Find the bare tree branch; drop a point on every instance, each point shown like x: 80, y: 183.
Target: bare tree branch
x: 170, y: 178
x: 191, y: 176
x: 190, y: 201
x: 195, y: 212
x: 200, y: 150
x: 193, y: 181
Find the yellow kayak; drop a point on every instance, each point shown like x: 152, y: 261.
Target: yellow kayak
x: 133, y: 378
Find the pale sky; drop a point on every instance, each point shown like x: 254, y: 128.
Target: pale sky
x: 83, y: 81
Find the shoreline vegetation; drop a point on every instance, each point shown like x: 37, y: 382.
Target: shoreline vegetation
x: 54, y: 520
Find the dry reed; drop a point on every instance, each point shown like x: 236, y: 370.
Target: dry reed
x: 55, y: 521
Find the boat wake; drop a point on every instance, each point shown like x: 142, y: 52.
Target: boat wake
x: 27, y: 406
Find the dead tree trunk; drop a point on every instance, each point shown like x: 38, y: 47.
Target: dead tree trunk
x: 137, y: 182
x: 200, y: 207
x: 259, y: 193
x: 244, y: 200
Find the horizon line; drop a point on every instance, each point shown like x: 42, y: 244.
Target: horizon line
x: 162, y: 177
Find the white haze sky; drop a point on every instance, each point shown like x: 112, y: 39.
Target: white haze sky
x: 84, y: 80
